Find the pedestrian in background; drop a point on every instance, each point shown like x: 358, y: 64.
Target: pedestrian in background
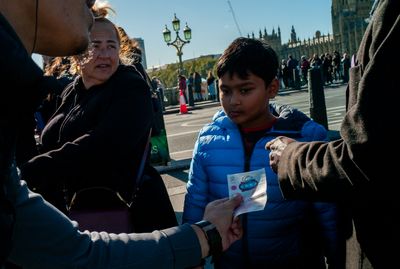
x: 279, y: 235
x: 211, y: 85
x: 336, y: 67
x: 182, y: 86
x: 160, y: 89
x: 190, y: 83
x: 197, y: 86
x: 33, y: 233
x: 304, y: 66
x: 327, y: 68
x: 293, y: 70
x: 346, y: 64
x: 358, y: 169
x: 284, y: 72
x: 316, y: 61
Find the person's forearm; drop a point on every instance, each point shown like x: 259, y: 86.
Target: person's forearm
x: 44, y: 238
x: 320, y: 175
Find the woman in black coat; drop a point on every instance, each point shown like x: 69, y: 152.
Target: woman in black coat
x: 98, y: 134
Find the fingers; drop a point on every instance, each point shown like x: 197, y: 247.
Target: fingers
x: 234, y: 202
x: 271, y: 142
x: 236, y: 227
x: 218, y: 202
x: 229, y: 203
x: 279, y: 143
x: 235, y: 231
x: 276, y: 146
x: 273, y: 161
x: 219, y: 212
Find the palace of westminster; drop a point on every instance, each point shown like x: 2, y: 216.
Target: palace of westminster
x: 349, y: 21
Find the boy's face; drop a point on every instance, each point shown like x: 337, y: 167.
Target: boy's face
x: 245, y: 101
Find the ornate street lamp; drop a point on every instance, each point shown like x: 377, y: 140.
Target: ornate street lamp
x: 176, y: 23
x: 167, y: 34
x: 178, y: 43
x: 187, y: 33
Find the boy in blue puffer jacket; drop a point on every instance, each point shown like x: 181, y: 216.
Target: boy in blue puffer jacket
x: 277, y: 237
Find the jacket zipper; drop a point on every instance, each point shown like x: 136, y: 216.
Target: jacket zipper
x: 245, y: 239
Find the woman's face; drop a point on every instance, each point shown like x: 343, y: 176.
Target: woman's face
x: 104, y: 59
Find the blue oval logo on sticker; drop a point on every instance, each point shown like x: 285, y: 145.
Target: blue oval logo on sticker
x: 248, y: 184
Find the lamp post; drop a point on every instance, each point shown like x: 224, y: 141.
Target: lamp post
x: 178, y: 43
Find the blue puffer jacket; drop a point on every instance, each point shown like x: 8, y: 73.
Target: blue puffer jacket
x: 278, y: 235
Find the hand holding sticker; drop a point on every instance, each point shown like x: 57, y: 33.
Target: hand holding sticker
x: 253, y: 188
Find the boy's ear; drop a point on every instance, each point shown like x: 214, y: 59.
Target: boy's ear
x: 273, y: 88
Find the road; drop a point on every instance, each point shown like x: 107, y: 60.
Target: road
x: 182, y: 130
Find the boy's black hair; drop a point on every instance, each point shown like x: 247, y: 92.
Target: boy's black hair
x: 246, y: 55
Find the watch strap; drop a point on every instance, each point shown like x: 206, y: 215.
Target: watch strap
x: 213, y: 238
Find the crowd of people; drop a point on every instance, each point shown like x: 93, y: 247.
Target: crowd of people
x: 95, y: 133
x: 334, y: 68
x: 197, y: 89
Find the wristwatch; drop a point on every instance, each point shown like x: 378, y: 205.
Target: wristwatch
x: 213, y: 238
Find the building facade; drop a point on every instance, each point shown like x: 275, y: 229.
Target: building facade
x: 140, y: 42
x: 349, y: 21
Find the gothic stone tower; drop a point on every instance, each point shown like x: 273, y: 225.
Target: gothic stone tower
x: 273, y: 39
x: 349, y: 23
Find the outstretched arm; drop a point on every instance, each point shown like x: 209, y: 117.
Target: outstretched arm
x: 313, y: 170
x: 45, y: 238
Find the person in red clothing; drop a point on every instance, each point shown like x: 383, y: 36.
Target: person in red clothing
x: 182, y: 86
x: 304, y: 66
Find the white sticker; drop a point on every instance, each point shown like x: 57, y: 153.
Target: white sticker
x: 252, y: 186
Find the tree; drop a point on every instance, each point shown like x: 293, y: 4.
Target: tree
x: 169, y: 74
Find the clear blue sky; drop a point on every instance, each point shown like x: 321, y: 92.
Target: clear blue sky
x: 212, y: 23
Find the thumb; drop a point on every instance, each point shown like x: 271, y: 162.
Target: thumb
x: 219, y: 201
x: 268, y: 145
x: 234, y: 202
